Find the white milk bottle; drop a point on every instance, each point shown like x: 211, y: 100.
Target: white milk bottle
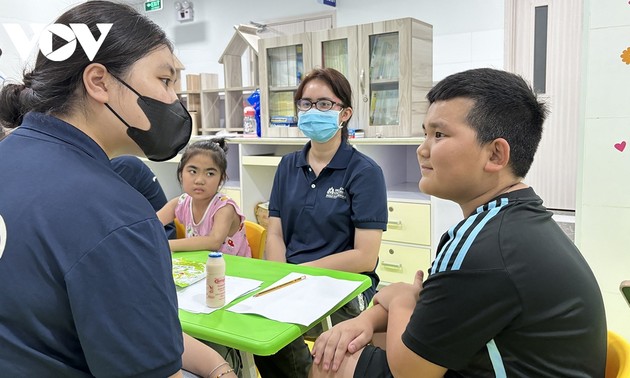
x: 215, y: 280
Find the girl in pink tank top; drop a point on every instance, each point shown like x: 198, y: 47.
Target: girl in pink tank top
x: 212, y: 220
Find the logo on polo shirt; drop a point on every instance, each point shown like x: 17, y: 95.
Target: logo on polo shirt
x: 333, y: 193
x: 3, y: 236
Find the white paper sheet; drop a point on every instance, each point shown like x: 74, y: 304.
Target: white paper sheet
x: 302, y: 303
x: 193, y: 297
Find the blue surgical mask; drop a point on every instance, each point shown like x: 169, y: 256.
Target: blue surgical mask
x: 319, y: 126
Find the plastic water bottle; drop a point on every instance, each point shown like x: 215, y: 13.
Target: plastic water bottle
x: 249, y: 122
x: 215, y: 280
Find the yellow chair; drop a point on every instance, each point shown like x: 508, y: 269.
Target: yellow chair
x: 256, y: 237
x: 180, y: 230
x: 617, y: 357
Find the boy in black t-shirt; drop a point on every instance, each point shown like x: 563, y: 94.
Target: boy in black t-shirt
x: 508, y: 293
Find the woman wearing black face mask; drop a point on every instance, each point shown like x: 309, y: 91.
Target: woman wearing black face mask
x: 87, y: 287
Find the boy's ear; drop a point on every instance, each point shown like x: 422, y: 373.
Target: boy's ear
x: 94, y: 80
x: 499, y: 155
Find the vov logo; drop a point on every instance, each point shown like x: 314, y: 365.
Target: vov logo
x: 3, y: 236
x: 43, y: 37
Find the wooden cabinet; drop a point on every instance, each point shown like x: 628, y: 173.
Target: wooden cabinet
x: 222, y: 108
x: 191, y: 97
x: 192, y: 100
x: 388, y: 64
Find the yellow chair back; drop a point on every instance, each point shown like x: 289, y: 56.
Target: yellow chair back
x: 256, y: 237
x: 617, y: 357
x: 180, y: 230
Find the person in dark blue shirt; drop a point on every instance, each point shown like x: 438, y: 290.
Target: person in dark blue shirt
x: 328, y: 205
x: 85, y: 267
x: 142, y: 178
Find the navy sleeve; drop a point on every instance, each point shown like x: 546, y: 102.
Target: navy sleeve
x: 369, y: 198
x: 275, y: 199
x: 125, y: 305
x: 458, y: 313
x: 141, y: 177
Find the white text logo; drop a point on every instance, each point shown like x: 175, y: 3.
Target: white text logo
x: 43, y: 37
x: 336, y: 193
x: 3, y: 236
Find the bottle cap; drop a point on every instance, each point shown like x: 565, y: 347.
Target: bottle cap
x: 249, y: 111
x: 215, y: 254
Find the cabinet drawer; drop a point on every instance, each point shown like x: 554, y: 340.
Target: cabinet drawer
x: 399, y: 263
x: 234, y: 194
x: 408, y: 223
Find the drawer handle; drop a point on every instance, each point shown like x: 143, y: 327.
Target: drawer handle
x: 395, y: 225
x: 395, y: 266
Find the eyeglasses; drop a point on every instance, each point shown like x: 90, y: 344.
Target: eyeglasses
x: 322, y: 105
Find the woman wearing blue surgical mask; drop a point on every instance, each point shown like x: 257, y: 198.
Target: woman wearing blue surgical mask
x: 328, y: 205
x: 85, y: 265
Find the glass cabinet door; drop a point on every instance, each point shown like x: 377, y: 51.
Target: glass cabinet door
x: 395, y: 60
x: 285, y: 69
x: 335, y: 55
x: 338, y: 49
x: 383, y: 85
x: 284, y: 65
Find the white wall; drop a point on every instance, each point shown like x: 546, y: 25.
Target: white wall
x: 603, y: 211
x: 467, y: 34
x: 24, y: 13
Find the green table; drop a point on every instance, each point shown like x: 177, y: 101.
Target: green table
x: 254, y: 334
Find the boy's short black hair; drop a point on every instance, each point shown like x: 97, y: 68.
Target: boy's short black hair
x: 505, y: 106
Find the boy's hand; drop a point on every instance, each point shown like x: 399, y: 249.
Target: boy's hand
x: 400, y: 290
x: 346, y: 337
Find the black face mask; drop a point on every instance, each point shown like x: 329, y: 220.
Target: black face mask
x: 170, y: 129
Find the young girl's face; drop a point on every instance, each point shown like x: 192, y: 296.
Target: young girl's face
x: 201, y: 177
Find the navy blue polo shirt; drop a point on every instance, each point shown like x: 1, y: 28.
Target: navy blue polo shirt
x: 320, y: 214
x: 85, y: 266
x: 142, y: 178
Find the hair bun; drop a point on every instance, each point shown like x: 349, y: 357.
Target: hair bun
x: 12, y: 105
x: 221, y: 142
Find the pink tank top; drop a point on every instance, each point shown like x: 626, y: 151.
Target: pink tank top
x: 234, y: 245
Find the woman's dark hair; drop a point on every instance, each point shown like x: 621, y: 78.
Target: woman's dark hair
x: 215, y: 149
x: 57, y: 87
x: 337, y: 83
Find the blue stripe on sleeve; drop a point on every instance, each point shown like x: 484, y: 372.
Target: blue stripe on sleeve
x: 460, y: 234
x: 471, y: 238
x: 438, y: 258
x: 495, y: 359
